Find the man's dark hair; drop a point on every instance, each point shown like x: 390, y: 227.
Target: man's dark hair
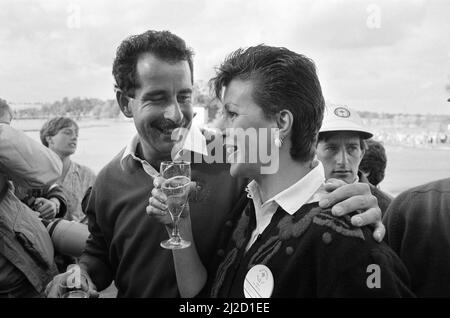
x: 326, y: 135
x: 53, y: 126
x: 5, y: 109
x: 281, y: 79
x: 162, y: 44
x: 374, y: 162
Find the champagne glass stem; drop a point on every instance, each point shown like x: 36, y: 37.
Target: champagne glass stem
x: 175, y: 230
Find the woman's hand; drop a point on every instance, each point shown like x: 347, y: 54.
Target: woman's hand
x: 190, y: 272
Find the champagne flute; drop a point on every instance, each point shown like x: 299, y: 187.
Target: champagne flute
x: 177, y: 175
x: 74, y: 284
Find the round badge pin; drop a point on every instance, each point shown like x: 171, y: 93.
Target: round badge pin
x: 342, y: 112
x: 258, y: 282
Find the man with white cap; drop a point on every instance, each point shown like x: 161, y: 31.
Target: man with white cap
x: 341, y: 147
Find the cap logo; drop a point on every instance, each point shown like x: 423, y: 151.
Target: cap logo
x: 342, y: 112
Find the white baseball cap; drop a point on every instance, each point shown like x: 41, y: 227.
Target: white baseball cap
x: 342, y: 118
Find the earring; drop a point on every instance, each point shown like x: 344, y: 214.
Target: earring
x: 278, y: 140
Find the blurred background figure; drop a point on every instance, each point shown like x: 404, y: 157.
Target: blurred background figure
x: 418, y: 230
x: 26, y: 250
x: 49, y: 201
x: 60, y: 134
x: 341, y: 146
x: 374, y: 161
x: 5, y: 112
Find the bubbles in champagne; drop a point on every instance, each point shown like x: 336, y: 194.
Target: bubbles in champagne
x: 176, y: 190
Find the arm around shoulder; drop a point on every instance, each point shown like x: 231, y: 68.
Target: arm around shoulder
x: 190, y: 272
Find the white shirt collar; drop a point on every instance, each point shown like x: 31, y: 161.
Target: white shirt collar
x: 193, y: 141
x: 130, y: 152
x: 306, y: 190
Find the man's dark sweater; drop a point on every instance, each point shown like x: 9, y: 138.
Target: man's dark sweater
x: 124, y: 242
x: 418, y: 229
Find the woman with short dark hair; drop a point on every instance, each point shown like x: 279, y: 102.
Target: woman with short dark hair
x: 278, y: 241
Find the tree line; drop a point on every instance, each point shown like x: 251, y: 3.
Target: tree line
x: 76, y: 107
x: 97, y: 108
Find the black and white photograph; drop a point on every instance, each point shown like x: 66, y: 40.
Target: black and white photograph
x: 224, y: 149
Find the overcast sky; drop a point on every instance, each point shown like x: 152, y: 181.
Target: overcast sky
x: 384, y: 56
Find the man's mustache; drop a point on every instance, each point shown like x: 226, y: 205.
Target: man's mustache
x: 167, y: 124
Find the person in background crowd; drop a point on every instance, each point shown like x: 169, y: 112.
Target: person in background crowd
x: 341, y: 146
x: 153, y: 72
x: 26, y: 250
x: 373, y: 163
x: 6, y: 114
x: 418, y: 230
x: 49, y: 201
x: 60, y: 134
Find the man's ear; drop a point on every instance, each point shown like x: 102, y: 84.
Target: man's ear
x: 124, y: 103
x: 285, y: 121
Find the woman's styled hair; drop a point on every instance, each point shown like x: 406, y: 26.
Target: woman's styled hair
x: 281, y: 79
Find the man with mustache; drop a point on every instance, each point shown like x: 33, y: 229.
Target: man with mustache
x: 154, y: 77
x: 341, y: 146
